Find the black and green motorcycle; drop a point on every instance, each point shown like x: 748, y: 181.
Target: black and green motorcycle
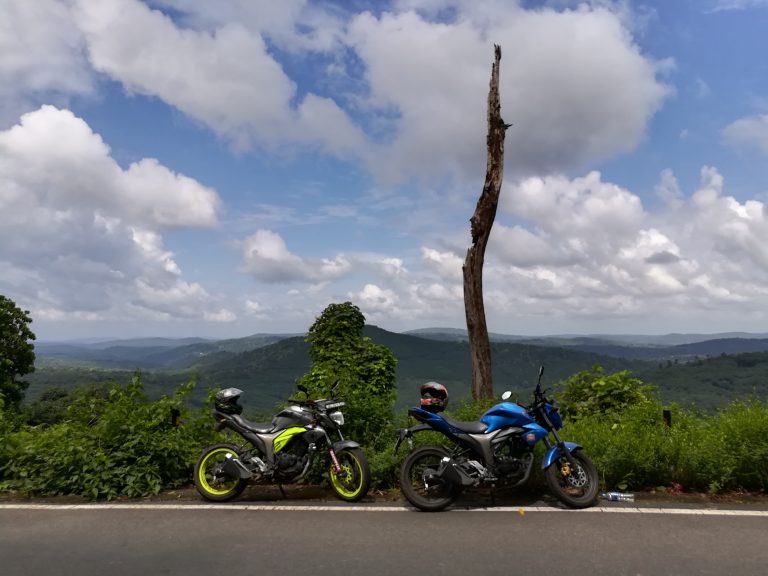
x: 282, y: 451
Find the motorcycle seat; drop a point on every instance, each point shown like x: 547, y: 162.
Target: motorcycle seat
x: 258, y: 427
x: 475, y: 427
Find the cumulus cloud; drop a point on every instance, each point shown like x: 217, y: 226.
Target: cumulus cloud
x: 751, y: 132
x: 375, y: 300
x: 267, y: 258
x: 221, y: 75
x: 573, y: 82
x: 579, y: 252
x: 409, y: 86
x: 43, y: 57
x: 81, y: 235
x: 595, y: 249
x: 577, y: 220
x: 293, y: 25
x: 447, y: 264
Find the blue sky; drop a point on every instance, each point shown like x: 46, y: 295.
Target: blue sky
x: 180, y: 168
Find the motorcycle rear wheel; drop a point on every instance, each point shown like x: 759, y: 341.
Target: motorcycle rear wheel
x: 577, y: 487
x: 352, y: 483
x: 210, y: 480
x: 417, y: 467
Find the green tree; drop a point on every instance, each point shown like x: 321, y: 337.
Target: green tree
x: 17, y: 353
x: 593, y: 392
x: 50, y: 407
x: 365, y: 371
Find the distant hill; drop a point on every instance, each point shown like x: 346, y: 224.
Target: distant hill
x: 711, y: 382
x: 142, y: 353
x: 680, y: 352
x: 266, y: 367
x: 515, y: 366
x: 268, y: 372
x: 628, y: 340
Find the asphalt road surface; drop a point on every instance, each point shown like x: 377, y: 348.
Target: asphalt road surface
x: 205, y: 540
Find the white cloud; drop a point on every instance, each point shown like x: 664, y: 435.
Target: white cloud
x: 668, y: 189
x: 749, y: 132
x: 375, y: 300
x: 293, y: 25
x: 222, y: 315
x: 447, y: 264
x: 588, y: 249
x: 221, y: 74
x: 579, y: 220
x: 42, y: 57
x: 267, y: 258
x: 84, y: 235
x: 393, y: 267
x: 255, y: 308
x: 573, y: 82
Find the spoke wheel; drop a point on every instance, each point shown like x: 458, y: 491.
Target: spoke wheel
x: 351, y: 484
x: 211, y: 481
x: 418, y: 481
x: 575, y: 486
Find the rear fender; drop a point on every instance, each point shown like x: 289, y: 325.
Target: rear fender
x: 404, y: 433
x: 554, y: 453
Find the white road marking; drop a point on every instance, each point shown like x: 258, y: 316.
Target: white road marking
x: 309, y: 508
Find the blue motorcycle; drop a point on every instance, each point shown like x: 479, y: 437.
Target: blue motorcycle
x: 496, y: 451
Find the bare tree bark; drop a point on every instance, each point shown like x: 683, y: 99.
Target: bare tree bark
x: 481, y: 223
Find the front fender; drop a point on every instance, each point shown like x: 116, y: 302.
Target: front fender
x: 342, y: 444
x: 554, y: 453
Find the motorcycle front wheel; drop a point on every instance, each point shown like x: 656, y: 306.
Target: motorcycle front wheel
x: 210, y: 480
x: 352, y: 482
x: 574, y: 486
x: 419, y: 482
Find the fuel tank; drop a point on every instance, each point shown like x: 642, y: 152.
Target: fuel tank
x: 506, y: 414
x: 292, y: 416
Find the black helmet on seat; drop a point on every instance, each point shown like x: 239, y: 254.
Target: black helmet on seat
x: 434, y: 397
x: 226, y: 401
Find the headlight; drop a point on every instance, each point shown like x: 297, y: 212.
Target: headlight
x: 337, y: 417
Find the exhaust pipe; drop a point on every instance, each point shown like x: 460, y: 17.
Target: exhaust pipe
x: 235, y: 468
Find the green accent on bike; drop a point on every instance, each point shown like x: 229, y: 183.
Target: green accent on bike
x: 207, y: 464
x: 285, y: 437
x: 341, y: 481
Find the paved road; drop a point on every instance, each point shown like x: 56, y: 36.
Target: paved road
x: 371, y: 541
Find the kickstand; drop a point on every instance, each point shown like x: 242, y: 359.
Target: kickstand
x: 282, y: 491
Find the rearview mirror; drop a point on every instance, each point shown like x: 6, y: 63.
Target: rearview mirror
x: 506, y: 395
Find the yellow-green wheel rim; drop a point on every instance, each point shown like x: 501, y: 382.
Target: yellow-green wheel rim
x: 208, y: 462
x: 341, y: 481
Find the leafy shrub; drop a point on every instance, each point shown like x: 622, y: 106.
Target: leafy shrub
x: 365, y: 372
x: 592, y: 392
x: 121, y: 445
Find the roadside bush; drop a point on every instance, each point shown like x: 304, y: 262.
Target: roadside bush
x: 635, y: 451
x: 713, y: 453
x: 121, y: 445
x: 364, y: 370
x: 595, y: 393
x: 744, y: 430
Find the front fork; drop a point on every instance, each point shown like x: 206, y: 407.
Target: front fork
x: 564, y: 451
x: 334, y: 460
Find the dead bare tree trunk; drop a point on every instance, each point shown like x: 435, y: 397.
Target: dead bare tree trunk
x: 481, y: 223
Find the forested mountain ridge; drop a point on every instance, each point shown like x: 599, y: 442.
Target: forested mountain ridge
x: 267, y: 366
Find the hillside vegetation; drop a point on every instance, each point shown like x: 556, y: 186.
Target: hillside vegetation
x: 267, y: 370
